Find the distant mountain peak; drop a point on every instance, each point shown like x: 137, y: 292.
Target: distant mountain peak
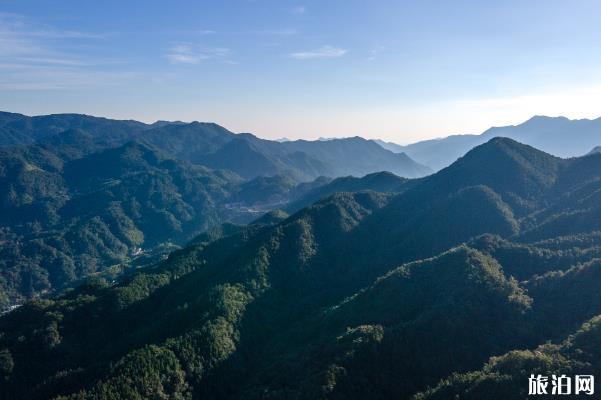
x: 559, y: 136
x: 546, y: 118
x: 161, y: 123
x: 500, y: 144
x: 506, y: 166
x: 503, y: 141
x: 596, y: 150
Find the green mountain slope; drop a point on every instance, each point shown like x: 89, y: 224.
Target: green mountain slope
x: 384, y: 325
x: 506, y: 376
x: 64, y: 219
x: 379, y: 182
x: 360, y: 295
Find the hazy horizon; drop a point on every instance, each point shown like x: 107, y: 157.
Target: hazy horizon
x: 285, y: 138
x: 303, y: 69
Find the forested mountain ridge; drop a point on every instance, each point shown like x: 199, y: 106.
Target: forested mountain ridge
x: 63, y: 219
x: 18, y: 129
x: 360, y: 295
x: 213, y: 146
x: 68, y: 214
x: 384, y: 182
x: 80, y: 194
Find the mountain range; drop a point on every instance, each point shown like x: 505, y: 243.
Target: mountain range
x: 215, y: 147
x: 455, y: 285
x: 558, y: 136
x: 82, y: 195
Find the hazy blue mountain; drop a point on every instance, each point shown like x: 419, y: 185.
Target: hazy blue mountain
x: 595, y: 150
x: 357, y: 157
x: 213, y: 146
x: 558, y: 136
x: 439, y: 153
x: 395, y: 148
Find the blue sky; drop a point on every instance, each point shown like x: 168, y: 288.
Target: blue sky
x: 397, y: 70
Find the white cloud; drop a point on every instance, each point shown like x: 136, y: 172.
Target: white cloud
x: 57, y: 34
x: 322, y: 52
x: 187, y: 53
x: 175, y: 58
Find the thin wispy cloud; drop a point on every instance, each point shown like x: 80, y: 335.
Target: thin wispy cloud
x: 205, y: 32
x: 33, y: 77
x: 57, y: 34
x: 33, y: 57
x: 51, y: 61
x: 14, y: 40
x: 200, y: 32
x: 18, y: 24
x: 187, y: 53
x: 322, y: 52
x: 277, y: 32
x: 373, y: 53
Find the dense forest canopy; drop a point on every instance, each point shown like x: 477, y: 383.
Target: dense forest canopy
x: 82, y: 195
x: 457, y: 285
